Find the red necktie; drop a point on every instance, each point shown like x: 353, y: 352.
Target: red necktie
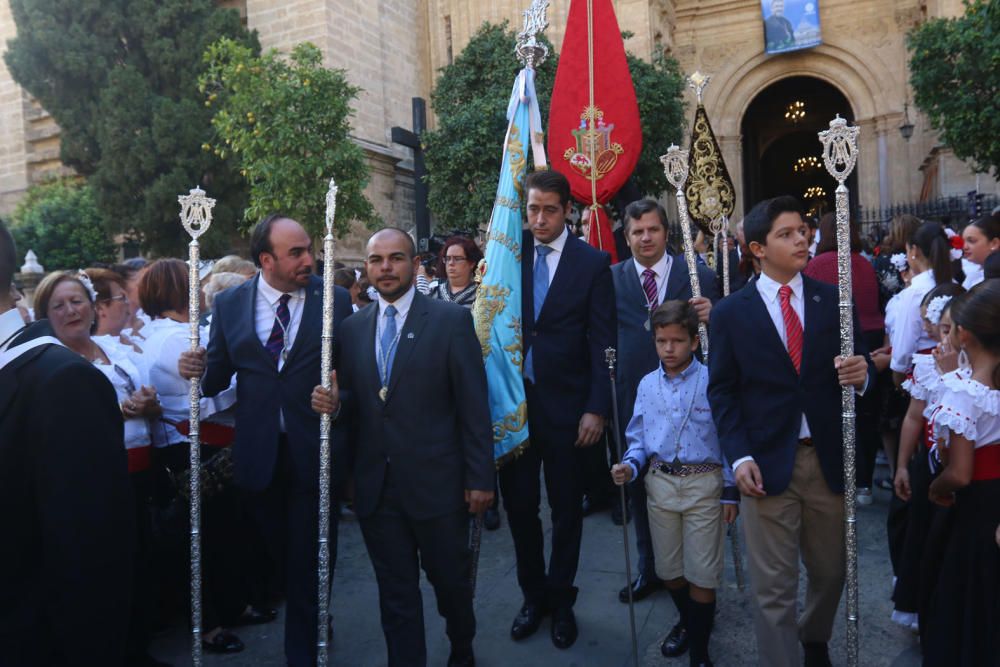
x: 793, y: 327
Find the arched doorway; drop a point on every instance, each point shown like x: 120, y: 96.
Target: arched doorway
x: 781, y: 151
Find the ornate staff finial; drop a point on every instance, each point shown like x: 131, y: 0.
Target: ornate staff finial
x: 675, y: 165
x: 331, y: 205
x: 529, y: 50
x: 840, y: 148
x: 697, y: 83
x: 196, y: 212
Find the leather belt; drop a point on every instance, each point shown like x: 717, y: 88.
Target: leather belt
x: 682, y: 469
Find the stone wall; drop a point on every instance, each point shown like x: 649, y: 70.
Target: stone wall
x: 13, y: 165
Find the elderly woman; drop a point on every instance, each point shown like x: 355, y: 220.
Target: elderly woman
x: 74, y: 309
x: 457, y: 262
x: 219, y: 282
x: 163, y: 294
x: 131, y: 271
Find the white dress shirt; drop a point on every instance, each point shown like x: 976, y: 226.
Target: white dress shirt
x: 10, y: 325
x: 908, y: 335
x: 266, y: 311
x: 552, y: 259
x: 660, y: 272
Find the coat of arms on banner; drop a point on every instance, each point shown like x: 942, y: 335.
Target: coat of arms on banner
x: 594, y: 141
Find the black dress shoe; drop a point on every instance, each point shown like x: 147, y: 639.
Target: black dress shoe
x: 461, y: 657
x: 527, y: 621
x: 224, y: 642
x: 816, y: 654
x: 676, y: 642
x: 256, y: 616
x: 642, y: 588
x: 564, y: 630
x: 491, y: 518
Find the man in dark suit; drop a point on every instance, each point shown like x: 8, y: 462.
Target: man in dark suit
x: 568, y: 308
x: 423, y: 460
x: 643, y: 282
x: 66, y: 512
x: 775, y: 377
x: 267, y: 331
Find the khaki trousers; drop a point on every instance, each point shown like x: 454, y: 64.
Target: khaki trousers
x: 807, y: 520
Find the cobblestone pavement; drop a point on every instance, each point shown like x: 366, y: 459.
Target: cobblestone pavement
x: 604, y: 627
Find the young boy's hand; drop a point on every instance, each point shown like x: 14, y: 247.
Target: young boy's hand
x: 621, y: 473
x: 851, y: 371
x: 729, y: 512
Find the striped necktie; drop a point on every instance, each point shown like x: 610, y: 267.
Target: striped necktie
x: 276, y: 341
x: 793, y: 327
x: 649, y: 287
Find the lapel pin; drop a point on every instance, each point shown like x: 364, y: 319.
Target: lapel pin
x: 409, y: 335
x: 816, y: 298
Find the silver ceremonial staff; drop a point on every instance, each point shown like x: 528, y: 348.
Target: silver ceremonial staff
x: 675, y: 166
x: 196, y: 217
x: 325, y: 464
x: 611, y: 357
x: 840, y: 152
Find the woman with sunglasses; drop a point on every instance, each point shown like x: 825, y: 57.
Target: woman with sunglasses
x: 76, y: 312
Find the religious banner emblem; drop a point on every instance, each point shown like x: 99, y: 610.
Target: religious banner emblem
x: 596, y: 142
x: 709, y: 189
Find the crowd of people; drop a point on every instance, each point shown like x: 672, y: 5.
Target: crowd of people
x: 94, y: 456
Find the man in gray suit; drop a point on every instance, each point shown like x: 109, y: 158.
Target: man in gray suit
x: 411, y: 378
x: 642, y: 283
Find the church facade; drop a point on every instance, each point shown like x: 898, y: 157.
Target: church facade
x: 765, y: 108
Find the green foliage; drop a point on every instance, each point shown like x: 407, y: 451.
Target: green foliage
x: 120, y: 79
x: 287, y: 124
x: 955, y: 74
x: 659, y: 87
x: 60, y: 221
x: 463, y: 154
x: 470, y: 99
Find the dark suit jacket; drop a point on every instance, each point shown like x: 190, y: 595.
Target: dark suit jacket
x: 434, y: 427
x: 758, y: 399
x: 636, y: 350
x: 576, y: 325
x: 261, y: 391
x: 737, y: 279
x: 66, y: 512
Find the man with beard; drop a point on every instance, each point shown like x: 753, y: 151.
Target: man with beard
x: 423, y: 459
x: 267, y: 332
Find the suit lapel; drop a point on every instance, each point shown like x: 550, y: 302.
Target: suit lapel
x: 310, y: 323
x: 813, y: 309
x: 677, y: 278
x: 366, y: 348
x: 630, y: 282
x: 561, y: 280
x: 250, y: 318
x: 412, y: 328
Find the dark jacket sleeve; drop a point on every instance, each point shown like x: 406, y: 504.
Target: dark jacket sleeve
x: 602, y: 333
x: 724, y: 387
x: 709, y: 283
x: 219, y: 367
x: 468, y: 380
x: 85, y: 515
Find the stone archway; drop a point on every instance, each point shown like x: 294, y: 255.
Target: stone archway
x: 866, y: 83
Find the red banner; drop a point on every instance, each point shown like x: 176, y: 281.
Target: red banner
x: 595, y: 136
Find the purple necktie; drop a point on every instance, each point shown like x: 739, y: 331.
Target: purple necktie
x: 276, y: 341
x: 649, y: 287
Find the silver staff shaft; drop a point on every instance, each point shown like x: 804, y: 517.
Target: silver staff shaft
x: 194, y: 454
x: 476, y: 543
x: 325, y: 462
x: 725, y: 258
x: 840, y: 154
x: 196, y: 218
x: 610, y: 357
x: 676, y: 169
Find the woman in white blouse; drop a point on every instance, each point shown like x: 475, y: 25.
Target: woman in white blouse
x: 71, y: 304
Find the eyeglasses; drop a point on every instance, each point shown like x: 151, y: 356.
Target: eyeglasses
x: 121, y: 297
x: 452, y: 259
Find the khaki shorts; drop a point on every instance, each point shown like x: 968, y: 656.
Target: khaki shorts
x: 685, y: 522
